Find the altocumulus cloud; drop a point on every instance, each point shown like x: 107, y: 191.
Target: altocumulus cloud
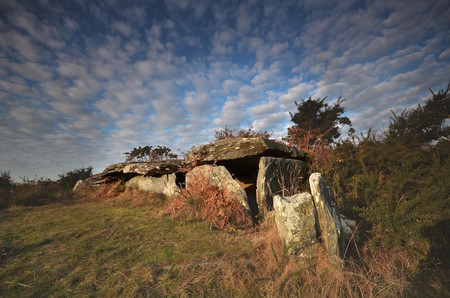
x: 83, y: 81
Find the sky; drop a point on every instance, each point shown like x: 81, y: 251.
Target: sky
x: 83, y: 81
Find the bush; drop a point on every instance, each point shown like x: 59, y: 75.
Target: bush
x: 398, y: 182
x: 39, y: 192
x: 249, y: 132
x: 217, y: 206
x: 6, y: 185
x: 69, y: 179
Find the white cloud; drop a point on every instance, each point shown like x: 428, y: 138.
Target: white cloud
x: 230, y: 86
x: 295, y: 93
x: 122, y: 28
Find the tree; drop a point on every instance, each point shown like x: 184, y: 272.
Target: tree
x: 425, y: 123
x: 147, y: 153
x: 317, y: 126
x: 318, y: 120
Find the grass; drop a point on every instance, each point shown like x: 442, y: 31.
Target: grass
x: 102, y: 249
x: 128, y: 246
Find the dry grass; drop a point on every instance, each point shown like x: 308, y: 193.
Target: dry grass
x: 122, y: 250
x: 217, y: 206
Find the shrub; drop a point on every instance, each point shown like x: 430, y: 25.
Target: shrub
x: 148, y: 153
x: 217, y: 206
x: 38, y: 192
x: 398, y: 182
x: 100, y: 193
x: 70, y: 178
x: 6, y: 185
x: 228, y: 133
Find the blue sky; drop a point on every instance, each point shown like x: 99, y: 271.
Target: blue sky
x: 83, y: 81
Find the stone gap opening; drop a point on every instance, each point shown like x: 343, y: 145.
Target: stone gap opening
x: 245, y: 172
x: 180, y: 179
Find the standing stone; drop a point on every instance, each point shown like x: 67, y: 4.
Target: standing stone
x: 328, y: 216
x: 165, y: 184
x: 277, y: 176
x: 295, y: 219
x: 218, y: 176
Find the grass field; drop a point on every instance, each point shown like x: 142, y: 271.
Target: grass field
x: 114, y: 248
x: 106, y: 250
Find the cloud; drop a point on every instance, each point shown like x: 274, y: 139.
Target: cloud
x: 122, y: 28
x: 295, y: 93
x: 172, y: 72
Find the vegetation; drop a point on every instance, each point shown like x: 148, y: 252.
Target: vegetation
x: 318, y: 118
x: 39, y: 191
x: 118, y: 249
x: 249, y: 132
x: 70, y: 178
x: 148, y: 153
x: 398, y: 182
x: 317, y: 128
x: 217, y: 206
x: 6, y: 185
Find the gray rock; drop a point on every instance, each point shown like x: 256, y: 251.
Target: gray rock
x: 78, y: 186
x: 220, y: 177
x: 155, y: 168
x: 127, y: 170
x: 277, y: 176
x: 328, y: 216
x: 349, y: 229
x: 295, y: 219
x: 245, y: 150
x: 165, y: 184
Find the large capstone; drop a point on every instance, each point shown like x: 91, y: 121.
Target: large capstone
x: 328, y: 216
x: 219, y: 177
x: 240, y: 155
x: 295, y: 219
x: 277, y: 176
x: 164, y: 185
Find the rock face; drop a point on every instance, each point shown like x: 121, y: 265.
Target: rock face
x: 127, y: 170
x: 277, y: 176
x: 349, y: 229
x: 164, y: 185
x: 220, y: 177
x: 295, y: 220
x: 77, y: 186
x: 328, y: 216
x: 155, y: 168
x: 239, y: 154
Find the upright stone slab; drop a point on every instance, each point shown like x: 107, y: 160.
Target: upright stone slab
x: 277, y: 176
x: 328, y: 216
x: 295, y: 219
x: 165, y: 184
x: 220, y: 177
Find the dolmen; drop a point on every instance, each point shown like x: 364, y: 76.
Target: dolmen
x: 265, y: 176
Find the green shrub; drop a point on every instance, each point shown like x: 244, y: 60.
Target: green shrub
x: 70, y: 178
x: 6, y: 185
x: 398, y: 183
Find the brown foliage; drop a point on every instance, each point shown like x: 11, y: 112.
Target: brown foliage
x: 319, y: 151
x: 228, y: 133
x: 203, y: 201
